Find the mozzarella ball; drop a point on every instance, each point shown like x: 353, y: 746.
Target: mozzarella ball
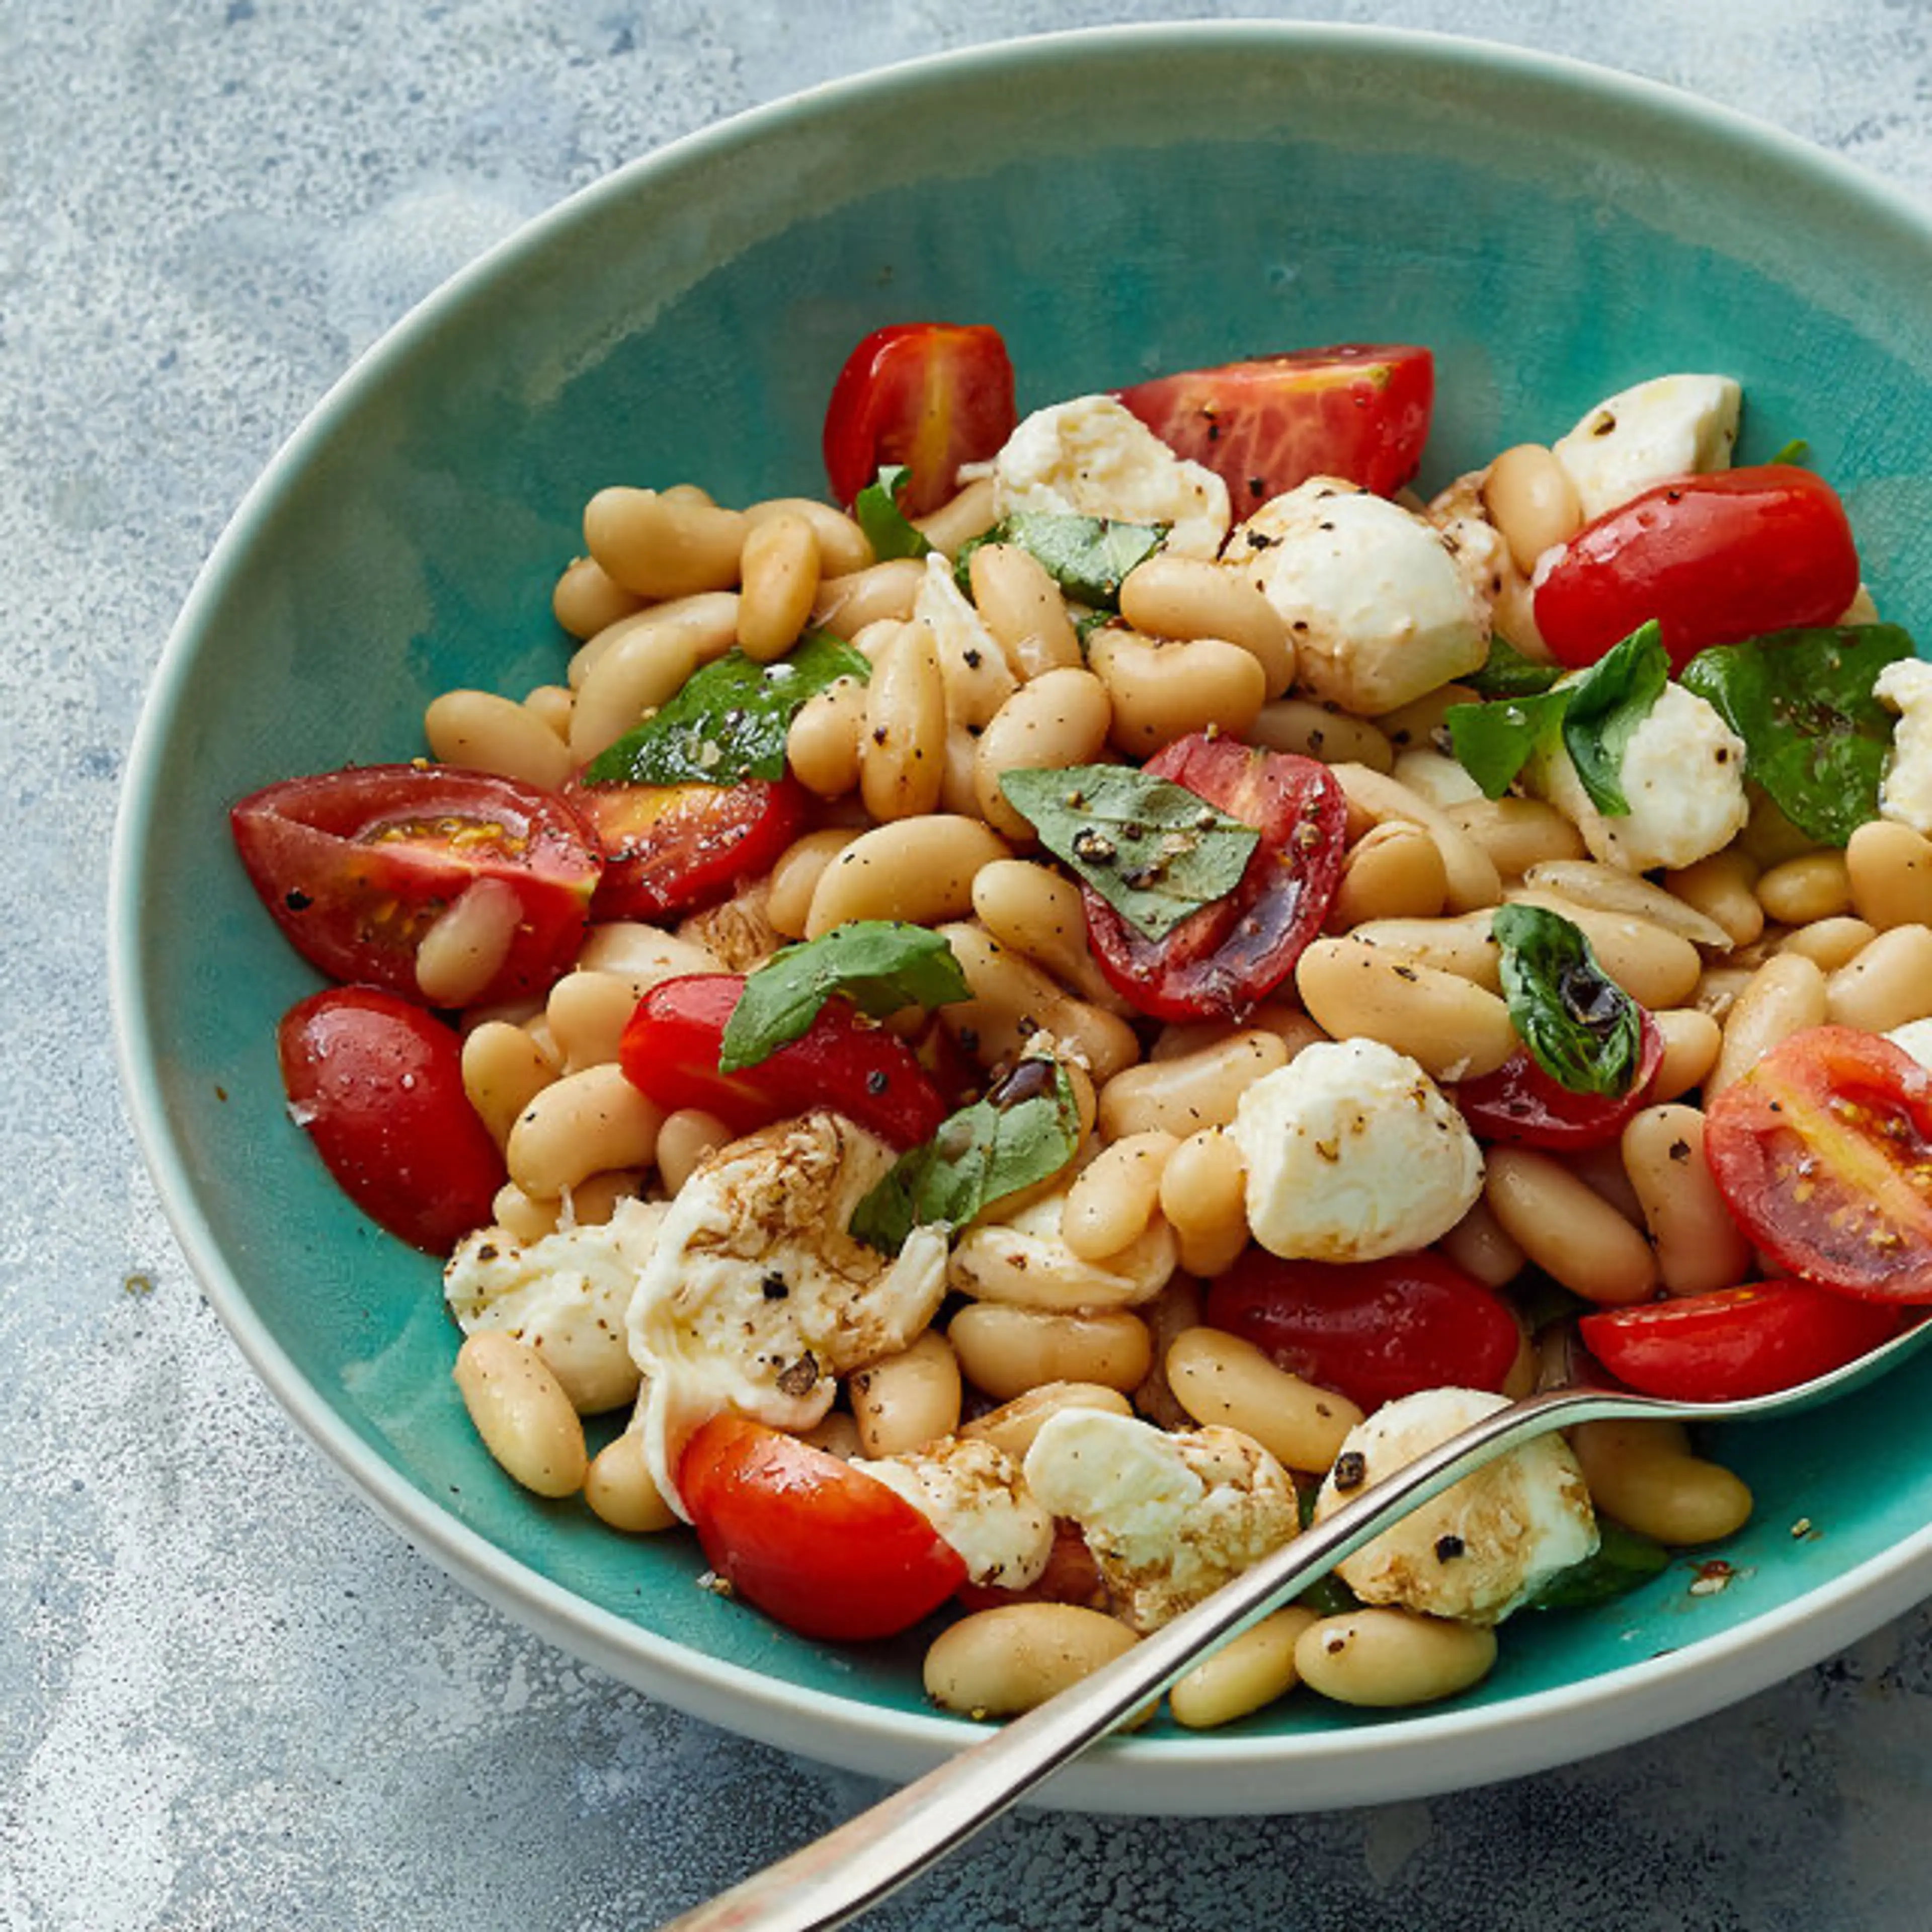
x: 1906, y: 795
x: 1353, y: 1153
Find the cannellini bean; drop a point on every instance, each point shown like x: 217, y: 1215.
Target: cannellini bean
x: 1479, y: 1246
x: 1889, y: 868
x: 779, y: 565
x: 1451, y: 1027
x: 795, y: 877
x: 904, y: 1401
x: 1567, y: 1229
x: 579, y: 1125
x: 1518, y: 833
x: 465, y: 945
x: 1393, y: 871
x: 1584, y: 882
x: 519, y: 1408
x: 1722, y: 888
x: 587, y: 599
x: 1386, y: 1658
x: 1641, y: 1471
x: 619, y: 1487
x: 1188, y: 597
x: 1815, y: 885
x: 1178, y: 1096
x: 1013, y: 1425
x: 1832, y: 943
x: 1655, y: 967
x: 1474, y: 881
x: 847, y: 603
x: 687, y: 1136
x: 1889, y: 983
x: 1786, y: 995
x: 1309, y: 730
x: 1246, y: 1674
x: 916, y: 869
x: 1698, y: 1245
x: 969, y: 514
x: 1038, y: 912
x: 1463, y: 945
x: 638, y: 663
x: 843, y: 547
x: 1022, y: 606
x: 1691, y: 1042
x: 1013, y: 999
x: 503, y: 1070
x: 902, y: 749
x: 1159, y: 692
x: 822, y: 745
x: 1532, y: 501
x: 998, y: 1663
x: 483, y: 733
x: 1115, y: 1196
x: 1003, y: 1351
x: 1060, y: 718
x: 661, y: 547
x: 1219, y: 1379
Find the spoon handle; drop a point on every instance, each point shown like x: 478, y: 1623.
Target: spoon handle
x: 833, y: 1879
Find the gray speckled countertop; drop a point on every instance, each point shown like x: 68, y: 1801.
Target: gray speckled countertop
x: 228, y: 1696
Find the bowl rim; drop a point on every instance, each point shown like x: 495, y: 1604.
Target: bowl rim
x: 1427, y: 1751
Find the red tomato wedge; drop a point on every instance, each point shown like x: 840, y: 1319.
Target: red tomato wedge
x: 1713, y: 559
x: 1823, y: 1154
x: 1520, y: 1102
x: 1359, y: 411
x: 676, y: 849
x: 929, y: 395
x: 378, y: 1083
x: 1219, y: 961
x: 828, y: 1550
x: 670, y: 1053
x: 1370, y: 1330
x: 1737, y: 1342
x: 356, y: 865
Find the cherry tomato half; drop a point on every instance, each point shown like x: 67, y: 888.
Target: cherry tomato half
x: 675, y: 849
x: 1219, y: 961
x: 828, y: 1550
x: 1737, y: 1342
x: 1359, y: 411
x: 378, y: 1083
x: 1519, y: 1102
x: 1823, y: 1154
x: 929, y: 395
x: 670, y: 1050
x: 1370, y: 1330
x: 356, y: 865
x: 1713, y: 559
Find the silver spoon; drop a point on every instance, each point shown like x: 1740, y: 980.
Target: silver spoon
x: 830, y: 1881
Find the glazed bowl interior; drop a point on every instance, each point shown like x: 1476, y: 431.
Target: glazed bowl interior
x: 1118, y: 204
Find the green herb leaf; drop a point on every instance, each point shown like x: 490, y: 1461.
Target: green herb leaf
x: 1607, y: 704
x: 727, y: 721
x: 1087, y: 556
x: 1155, y: 851
x: 1796, y: 451
x: 1581, y: 1028
x: 1507, y: 673
x: 1493, y: 742
x: 879, y: 964
x: 1593, y: 713
x: 888, y: 529
x: 1625, y: 1559
x: 1027, y: 1128
x: 1815, y: 737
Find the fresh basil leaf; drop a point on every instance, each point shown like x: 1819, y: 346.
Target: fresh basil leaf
x: 1796, y: 451
x: 1507, y: 673
x: 1155, y: 851
x: 1087, y: 556
x: 1607, y: 704
x: 1594, y: 712
x: 727, y: 721
x: 1581, y: 1028
x: 1625, y: 1559
x: 1493, y: 742
x: 1026, y: 1129
x: 1815, y: 738
x: 888, y: 529
x: 879, y: 964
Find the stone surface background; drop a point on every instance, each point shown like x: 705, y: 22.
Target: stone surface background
x: 228, y: 1696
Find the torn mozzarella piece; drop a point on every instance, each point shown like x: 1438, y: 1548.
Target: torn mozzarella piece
x: 1352, y: 1153
x: 1916, y: 1037
x: 1093, y: 457
x: 972, y: 665
x: 756, y: 1298
x: 1485, y: 1545
x: 1683, y: 772
x: 976, y: 1497
x: 1905, y: 794
x: 1025, y: 1261
x: 1168, y: 1518
x: 1670, y: 426
x: 567, y: 1295
x: 1372, y: 594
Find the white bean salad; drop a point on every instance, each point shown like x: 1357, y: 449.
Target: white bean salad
x: 1014, y: 1037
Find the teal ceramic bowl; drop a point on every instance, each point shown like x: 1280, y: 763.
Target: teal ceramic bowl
x: 1118, y: 203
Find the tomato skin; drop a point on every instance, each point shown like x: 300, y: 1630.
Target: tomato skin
x: 1736, y: 1342
x: 356, y: 864
x: 1519, y: 1103
x: 1370, y: 1330
x: 1713, y: 558
x: 1071, y: 1576
x: 1359, y: 411
x: 929, y: 395
x: 828, y: 1550
x: 670, y: 1049
x: 377, y: 1082
x: 674, y: 849
x: 1823, y: 1154
x: 1219, y: 961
